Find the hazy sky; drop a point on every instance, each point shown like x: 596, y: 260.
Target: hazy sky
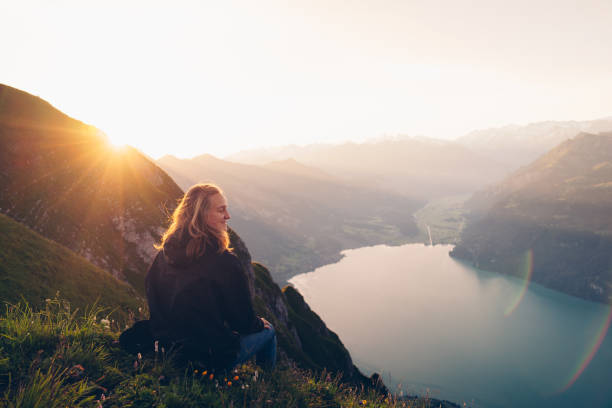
x: 189, y: 77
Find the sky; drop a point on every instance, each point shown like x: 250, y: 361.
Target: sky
x: 193, y: 77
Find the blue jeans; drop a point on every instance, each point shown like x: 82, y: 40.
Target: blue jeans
x: 262, y: 345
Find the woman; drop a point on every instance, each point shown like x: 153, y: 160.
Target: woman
x: 198, y: 292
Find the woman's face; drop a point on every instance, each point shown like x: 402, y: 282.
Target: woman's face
x: 217, y: 214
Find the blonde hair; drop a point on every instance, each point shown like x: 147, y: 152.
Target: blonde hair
x: 189, y: 223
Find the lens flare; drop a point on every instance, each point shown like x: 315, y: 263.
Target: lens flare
x: 527, y: 267
x: 591, y: 351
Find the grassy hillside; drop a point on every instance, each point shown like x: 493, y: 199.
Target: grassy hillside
x: 33, y: 268
x: 559, y: 208
x: 61, y: 178
x: 50, y: 359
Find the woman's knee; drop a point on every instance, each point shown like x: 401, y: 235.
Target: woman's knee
x: 270, y: 332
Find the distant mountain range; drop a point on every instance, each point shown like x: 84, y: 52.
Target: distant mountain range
x: 516, y: 146
x: 560, y: 208
x: 297, y: 217
x: 426, y: 168
x: 416, y: 167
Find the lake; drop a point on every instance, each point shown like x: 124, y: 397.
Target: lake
x: 431, y: 324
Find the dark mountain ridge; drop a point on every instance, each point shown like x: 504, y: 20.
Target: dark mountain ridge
x: 61, y: 178
x: 559, y: 207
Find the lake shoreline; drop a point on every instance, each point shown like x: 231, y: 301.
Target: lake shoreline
x: 474, y: 329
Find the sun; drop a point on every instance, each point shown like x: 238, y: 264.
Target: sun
x: 115, y: 140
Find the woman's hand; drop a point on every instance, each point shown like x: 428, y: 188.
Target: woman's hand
x: 266, y: 323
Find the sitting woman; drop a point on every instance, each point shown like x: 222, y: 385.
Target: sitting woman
x: 198, y: 292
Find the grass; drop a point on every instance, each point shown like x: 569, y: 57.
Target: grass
x: 37, y: 268
x: 55, y: 357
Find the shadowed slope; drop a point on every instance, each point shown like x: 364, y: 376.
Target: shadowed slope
x: 34, y: 268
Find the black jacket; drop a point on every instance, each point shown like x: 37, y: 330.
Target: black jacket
x: 204, y: 305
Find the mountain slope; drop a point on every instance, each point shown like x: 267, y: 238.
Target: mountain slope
x: 34, y: 268
x: 559, y: 208
x: 61, y: 178
x: 296, y: 218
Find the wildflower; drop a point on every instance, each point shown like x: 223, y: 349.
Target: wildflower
x: 211, y: 376
x: 156, y: 345
x: 229, y: 383
x: 139, y: 356
x: 102, y: 397
x: 255, y: 376
x: 163, y: 350
x: 236, y: 378
x: 363, y: 402
x: 135, y: 364
x: 195, y: 371
x: 76, y: 371
x: 204, y: 372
